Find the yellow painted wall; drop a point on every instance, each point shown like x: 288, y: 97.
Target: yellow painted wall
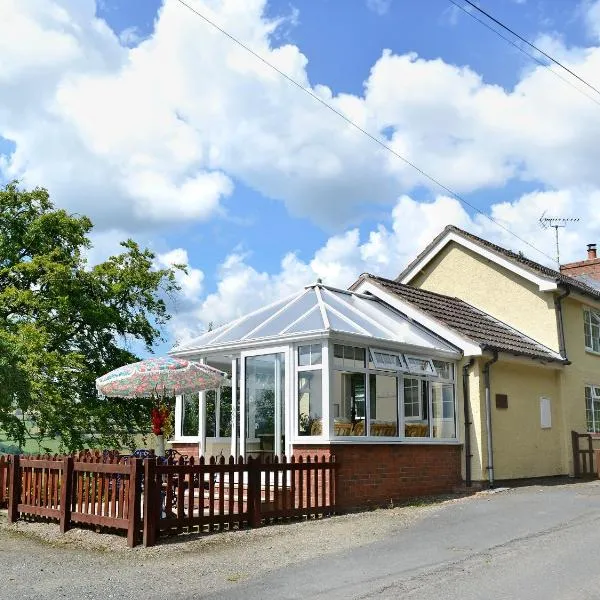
x: 477, y: 429
x: 585, y: 369
x: 521, y: 447
x: 456, y: 271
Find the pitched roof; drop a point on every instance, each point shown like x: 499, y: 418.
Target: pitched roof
x: 486, y: 331
x: 534, y: 267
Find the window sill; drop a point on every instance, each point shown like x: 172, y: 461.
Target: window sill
x: 593, y: 352
x: 374, y: 440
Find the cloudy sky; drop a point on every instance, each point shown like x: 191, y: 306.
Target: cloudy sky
x: 140, y: 115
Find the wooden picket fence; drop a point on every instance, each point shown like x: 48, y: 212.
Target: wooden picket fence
x: 225, y: 494
x: 4, y: 462
x: 177, y: 495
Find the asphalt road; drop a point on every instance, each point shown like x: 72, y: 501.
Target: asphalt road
x: 532, y: 542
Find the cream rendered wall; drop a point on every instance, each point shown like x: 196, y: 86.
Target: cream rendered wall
x: 584, y: 369
x: 477, y: 414
x: 521, y: 447
x: 459, y: 272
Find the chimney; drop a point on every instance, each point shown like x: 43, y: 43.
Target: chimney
x: 588, y: 268
x: 592, y: 252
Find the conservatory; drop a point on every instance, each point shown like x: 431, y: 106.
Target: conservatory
x: 323, y: 367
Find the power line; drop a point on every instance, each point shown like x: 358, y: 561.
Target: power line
x: 358, y: 127
x: 550, y: 58
x: 521, y: 49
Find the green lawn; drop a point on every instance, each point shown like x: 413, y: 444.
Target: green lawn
x: 52, y: 445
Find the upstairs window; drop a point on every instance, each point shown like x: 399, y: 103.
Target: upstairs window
x: 591, y: 321
x: 592, y: 408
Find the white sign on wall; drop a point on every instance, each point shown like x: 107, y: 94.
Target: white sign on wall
x: 545, y: 413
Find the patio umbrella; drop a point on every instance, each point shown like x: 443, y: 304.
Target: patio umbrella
x: 159, y: 377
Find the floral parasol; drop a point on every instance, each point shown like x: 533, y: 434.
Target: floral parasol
x: 161, y: 376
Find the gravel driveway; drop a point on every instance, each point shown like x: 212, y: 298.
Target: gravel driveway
x: 38, y: 562
x: 534, y: 542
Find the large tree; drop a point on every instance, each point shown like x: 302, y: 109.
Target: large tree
x: 63, y: 323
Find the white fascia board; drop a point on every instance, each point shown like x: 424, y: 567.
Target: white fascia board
x: 530, y: 362
x: 249, y: 344
x: 545, y: 284
x: 468, y: 347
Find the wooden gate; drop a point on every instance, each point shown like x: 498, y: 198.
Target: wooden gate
x: 583, y: 457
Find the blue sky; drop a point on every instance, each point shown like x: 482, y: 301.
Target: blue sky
x: 240, y: 235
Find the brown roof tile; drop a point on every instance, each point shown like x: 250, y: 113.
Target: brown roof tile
x: 486, y: 331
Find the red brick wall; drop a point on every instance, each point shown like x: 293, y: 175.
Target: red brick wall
x: 375, y: 474
x: 189, y: 448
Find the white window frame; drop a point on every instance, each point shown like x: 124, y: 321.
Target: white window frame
x: 384, y: 366
x: 324, y: 368
x: 594, y: 397
x: 287, y: 352
x: 589, y: 315
x: 419, y: 417
x: 179, y: 412
x: 432, y: 373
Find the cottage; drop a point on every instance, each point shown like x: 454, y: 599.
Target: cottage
x: 465, y: 368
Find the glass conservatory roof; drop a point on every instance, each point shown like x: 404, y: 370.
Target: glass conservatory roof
x: 319, y: 309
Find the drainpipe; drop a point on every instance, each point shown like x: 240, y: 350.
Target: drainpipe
x: 560, y: 323
x: 488, y: 418
x: 466, y: 407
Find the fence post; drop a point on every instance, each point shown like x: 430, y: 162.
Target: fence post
x: 135, y: 489
x: 14, y: 489
x: 254, y: 492
x: 575, y: 445
x: 150, y: 500
x: 66, y: 494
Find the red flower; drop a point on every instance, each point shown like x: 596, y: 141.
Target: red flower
x: 158, y: 417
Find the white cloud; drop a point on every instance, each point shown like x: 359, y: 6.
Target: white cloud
x: 130, y: 36
x: 387, y: 250
x: 380, y: 7
x: 137, y: 135
x: 592, y: 18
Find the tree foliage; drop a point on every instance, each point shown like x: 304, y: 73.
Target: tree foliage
x: 64, y: 323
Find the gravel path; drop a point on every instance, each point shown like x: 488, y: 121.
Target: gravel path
x: 38, y: 562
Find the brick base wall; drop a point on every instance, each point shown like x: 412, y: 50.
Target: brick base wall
x: 374, y: 475
x: 189, y: 448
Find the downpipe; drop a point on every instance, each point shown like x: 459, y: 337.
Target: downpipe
x: 562, y: 347
x: 488, y: 418
x: 467, y: 417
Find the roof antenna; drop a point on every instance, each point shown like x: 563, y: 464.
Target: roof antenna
x: 556, y: 223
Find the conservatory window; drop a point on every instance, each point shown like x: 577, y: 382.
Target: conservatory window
x: 416, y: 407
x: 445, y: 370
x: 190, y: 415
x: 218, y: 412
x: 310, y: 390
x: 349, y: 404
x: 309, y: 355
x: 442, y: 410
x: 420, y: 365
x: 383, y: 405
x: 382, y: 359
x: 348, y: 357
x: 310, y: 402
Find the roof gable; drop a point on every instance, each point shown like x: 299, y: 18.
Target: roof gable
x: 545, y: 278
